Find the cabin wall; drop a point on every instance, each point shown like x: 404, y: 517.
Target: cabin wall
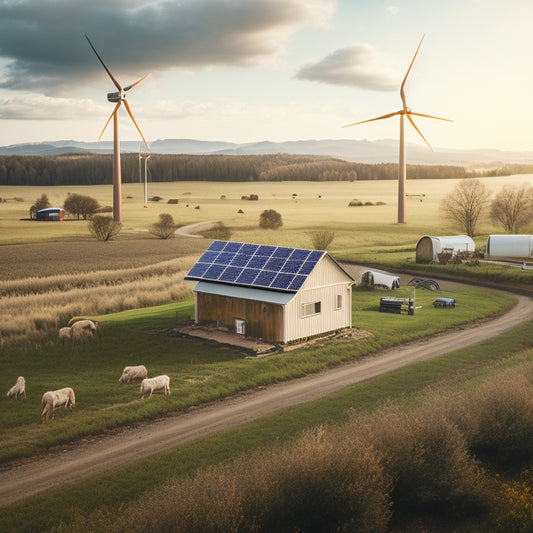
x: 262, y: 320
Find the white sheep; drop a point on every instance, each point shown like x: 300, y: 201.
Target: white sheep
x: 130, y: 374
x: 51, y: 400
x: 83, y: 330
x: 65, y: 334
x: 18, y: 389
x: 153, y: 384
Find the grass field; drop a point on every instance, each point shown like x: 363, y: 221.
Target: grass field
x: 124, y: 281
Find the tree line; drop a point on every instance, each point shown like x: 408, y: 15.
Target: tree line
x: 94, y: 169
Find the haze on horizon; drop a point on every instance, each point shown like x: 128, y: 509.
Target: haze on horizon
x: 277, y: 70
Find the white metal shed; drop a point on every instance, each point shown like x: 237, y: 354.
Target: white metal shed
x: 510, y: 246
x: 428, y: 247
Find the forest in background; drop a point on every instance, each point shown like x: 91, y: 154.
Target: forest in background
x: 97, y: 169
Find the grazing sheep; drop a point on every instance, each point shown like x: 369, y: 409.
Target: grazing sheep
x: 130, y: 374
x: 65, y: 334
x: 153, y: 384
x: 53, y: 399
x: 83, y: 330
x: 18, y: 389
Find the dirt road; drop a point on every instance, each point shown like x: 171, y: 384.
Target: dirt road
x: 90, y: 457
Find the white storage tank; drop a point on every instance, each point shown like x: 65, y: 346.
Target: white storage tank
x: 510, y: 246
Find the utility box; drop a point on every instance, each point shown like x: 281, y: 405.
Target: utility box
x: 444, y: 302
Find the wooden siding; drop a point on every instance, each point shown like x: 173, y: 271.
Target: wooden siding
x: 263, y: 320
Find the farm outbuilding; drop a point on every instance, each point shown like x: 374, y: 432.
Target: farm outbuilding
x: 274, y: 293
x: 50, y: 213
x: 428, y: 248
x: 510, y: 246
x: 376, y: 278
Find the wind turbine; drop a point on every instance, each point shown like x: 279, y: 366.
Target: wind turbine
x: 404, y: 112
x: 117, y: 98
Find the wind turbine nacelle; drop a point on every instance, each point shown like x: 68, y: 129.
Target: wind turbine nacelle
x: 114, y: 97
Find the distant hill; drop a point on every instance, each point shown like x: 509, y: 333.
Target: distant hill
x: 382, y: 151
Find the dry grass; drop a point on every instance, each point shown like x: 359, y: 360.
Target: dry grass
x: 394, y: 464
x: 33, y: 307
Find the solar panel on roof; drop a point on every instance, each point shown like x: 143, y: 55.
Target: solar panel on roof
x: 262, y: 266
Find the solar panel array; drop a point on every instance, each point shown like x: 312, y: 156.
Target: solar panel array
x: 255, y: 265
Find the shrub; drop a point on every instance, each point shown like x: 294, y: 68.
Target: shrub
x: 429, y: 460
x: 104, y: 228
x: 219, y: 232
x: 164, y: 228
x: 322, y: 239
x: 270, y: 219
x: 355, y: 203
x: 173, y: 201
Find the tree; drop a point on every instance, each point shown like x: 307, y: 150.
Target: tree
x: 40, y: 203
x: 164, y: 228
x: 322, y: 239
x: 104, y: 228
x: 80, y: 205
x: 513, y: 207
x: 270, y: 219
x: 465, y: 204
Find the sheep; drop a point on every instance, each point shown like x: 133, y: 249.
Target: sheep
x: 130, y: 374
x: 18, y: 389
x: 51, y: 400
x: 83, y: 330
x: 157, y: 383
x: 65, y: 334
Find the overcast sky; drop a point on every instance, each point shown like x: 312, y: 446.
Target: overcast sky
x: 277, y: 70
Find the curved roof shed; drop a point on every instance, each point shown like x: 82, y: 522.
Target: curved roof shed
x: 510, y: 246
x: 428, y: 247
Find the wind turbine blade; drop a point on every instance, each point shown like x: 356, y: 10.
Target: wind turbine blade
x: 388, y: 115
x: 419, y: 132
x: 108, y: 120
x: 402, y: 93
x: 429, y: 116
x: 128, y: 109
x: 133, y: 84
x: 116, y: 83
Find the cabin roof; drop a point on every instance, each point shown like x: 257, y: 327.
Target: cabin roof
x: 259, y: 266
x: 245, y: 293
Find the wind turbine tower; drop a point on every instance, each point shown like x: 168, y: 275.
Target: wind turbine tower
x: 117, y: 98
x: 404, y: 112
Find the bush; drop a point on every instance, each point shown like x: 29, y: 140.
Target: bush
x: 173, y: 201
x: 104, y: 228
x: 219, y: 232
x: 270, y: 219
x: 429, y: 460
x: 164, y: 228
x: 322, y: 239
x: 355, y: 203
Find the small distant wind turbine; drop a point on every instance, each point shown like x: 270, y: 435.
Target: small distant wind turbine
x: 404, y: 112
x: 117, y: 98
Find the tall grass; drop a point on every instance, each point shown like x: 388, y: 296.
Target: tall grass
x: 363, y: 475
x: 32, y: 307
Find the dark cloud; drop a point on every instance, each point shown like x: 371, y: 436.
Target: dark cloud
x: 358, y: 65
x: 44, y: 45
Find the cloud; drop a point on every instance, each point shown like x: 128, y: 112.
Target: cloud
x: 358, y: 65
x: 44, y: 46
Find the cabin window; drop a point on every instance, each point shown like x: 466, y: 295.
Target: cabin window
x: 311, y: 309
x: 338, y: 301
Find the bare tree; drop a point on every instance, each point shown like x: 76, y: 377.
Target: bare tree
x: 465, y: 204
x: 513, y: 207
x: 104, y: 228
x: 165, y: 227
x: 80, y: 205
